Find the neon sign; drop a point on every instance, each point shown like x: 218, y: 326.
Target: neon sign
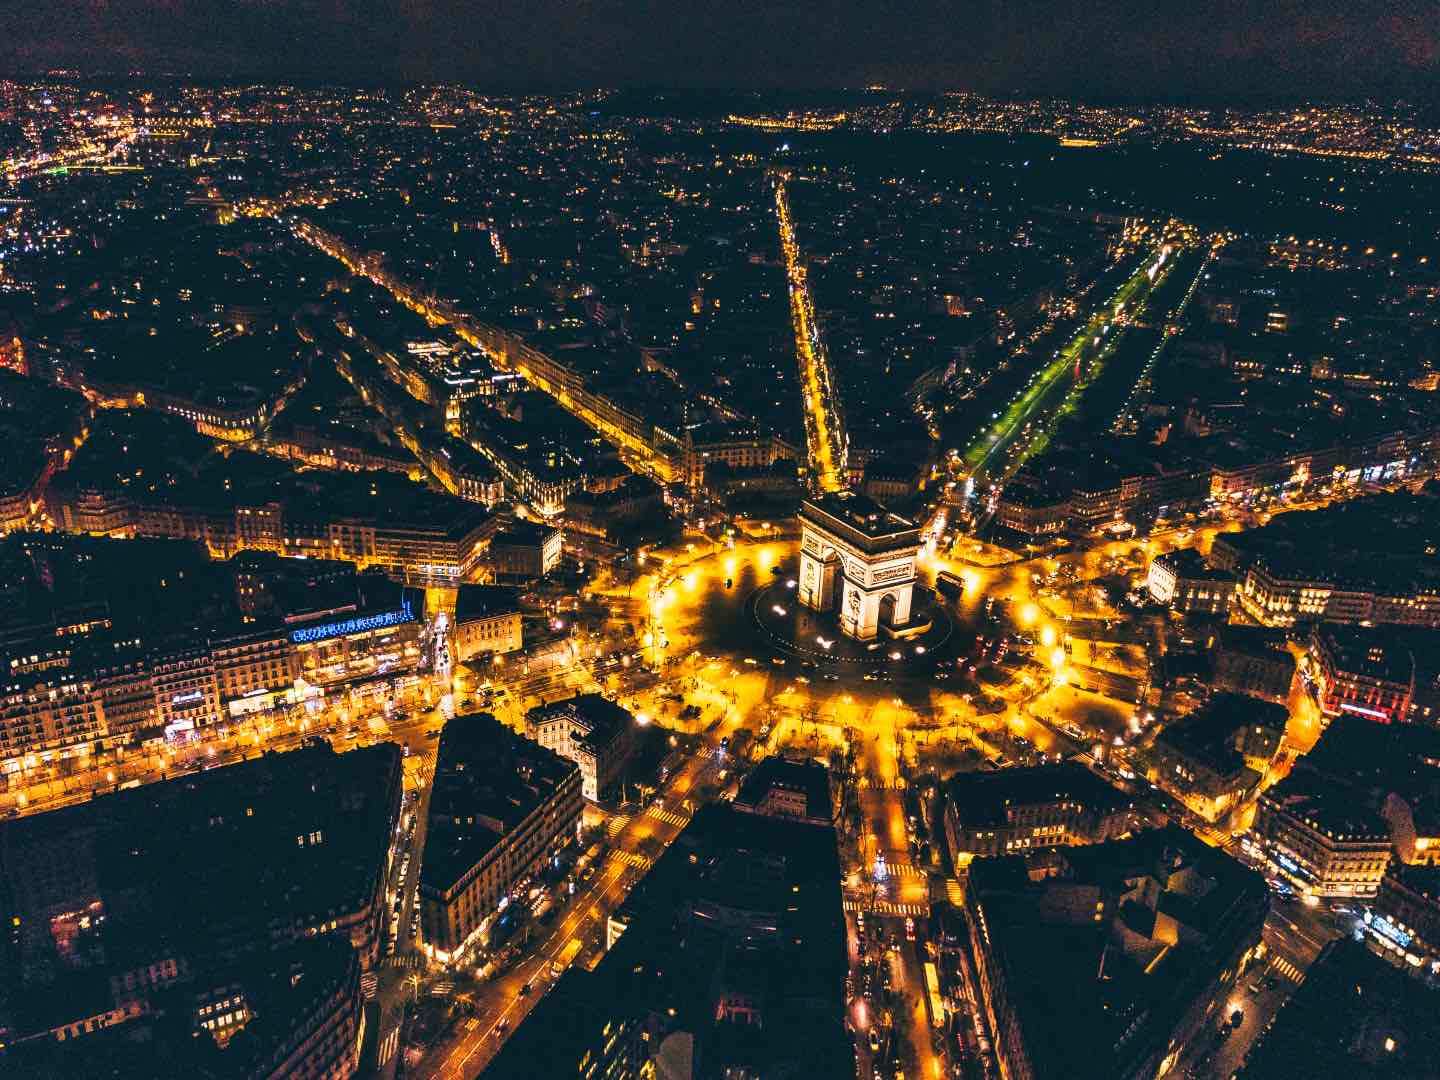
x: 1382, y: 926
x: 354, y: 626
x: 1378, y: 714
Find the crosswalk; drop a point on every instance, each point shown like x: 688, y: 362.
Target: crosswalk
x: 906, y: 871
x: 404, y: 960
x: 670, y: 817
x: 631, y: 858
x: 1286, y: 969
x: 954, y: 892
x: 887, y: 907
x: 616, y: 825
x: 867, y: 783
x: 1215, y: 837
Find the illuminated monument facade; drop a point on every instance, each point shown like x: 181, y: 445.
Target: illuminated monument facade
x: 857, y: 557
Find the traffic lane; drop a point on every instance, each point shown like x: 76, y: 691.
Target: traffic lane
x: 881, y: 802
x: 908, y: 972
x: 1302, y: 929
x: 505, y: 1006
x: 1259, y: 1008
x: 861, y: 1012
x: 586, y: 915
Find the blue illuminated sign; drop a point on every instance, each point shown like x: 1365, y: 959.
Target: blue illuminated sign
x: 354, y: 626
x: 1382, y: 926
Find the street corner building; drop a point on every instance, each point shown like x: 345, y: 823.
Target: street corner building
x: 1014, y: 811
x: 501, y: 808
x: 213, y: 925
x: 590, y: 730
x: 1105, y: 961
x: 726, y: 960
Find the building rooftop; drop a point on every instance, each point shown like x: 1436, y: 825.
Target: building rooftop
x: 1327, y: 808
x: 1189, y: 564
x: 1254, y: 641
x: 485, y: 601
x: 1380, y: 542
x: 1093, y: 998
x: 1372, y: 652
x: 523, y: 532
x: 1355, y: 1017
x: 487, y: 781
x: 807, y: 778
x: 740, y: 907
x: 983, y: 798
x: 1420, y: 878
x: 861, y: 517
x: 283, y: 990
x: 1207, y: 735
x: 720, y: 432
x: 210, y: 862
x: 36, y: 420
x: 1374, y: 760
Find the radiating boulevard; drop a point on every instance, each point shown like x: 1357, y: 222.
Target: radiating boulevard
x: 824, y: 421
x: 1038, y: 406
x: 641, y: 445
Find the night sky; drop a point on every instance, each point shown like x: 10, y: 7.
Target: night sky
x: 1106, y: 49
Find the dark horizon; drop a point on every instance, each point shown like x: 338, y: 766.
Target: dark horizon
x: 765, y: 99
x: 1239, y: 51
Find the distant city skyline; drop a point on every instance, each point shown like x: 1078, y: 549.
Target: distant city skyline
x: 1238, y: 50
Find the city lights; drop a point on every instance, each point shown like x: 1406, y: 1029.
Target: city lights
x: 520, y: 517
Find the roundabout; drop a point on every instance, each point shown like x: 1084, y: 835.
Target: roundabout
x: 776, y: 616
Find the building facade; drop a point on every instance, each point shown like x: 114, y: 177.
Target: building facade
x: 593, y: 732
x: 1274, y: 596
x: 1403, y: 923
x: 1362, y: 671
x: 431, y: 552
x: 487, y: 620
x: 1321, y: 841
x: 501, y: 808
x: 738, y: 445
x: 1019, y: 810
x: 525, y: 551
x: 1252, y: 661
x: 1181, y: 581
